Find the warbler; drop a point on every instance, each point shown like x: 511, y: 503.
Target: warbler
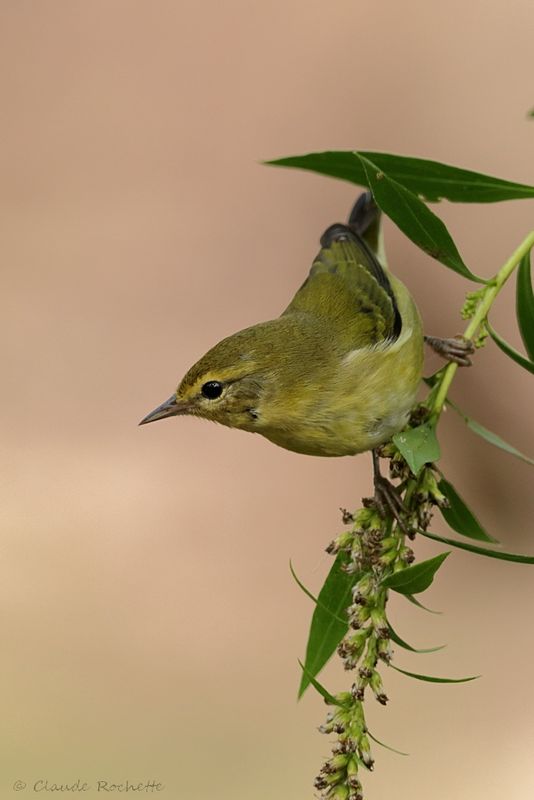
x: 337, y: 373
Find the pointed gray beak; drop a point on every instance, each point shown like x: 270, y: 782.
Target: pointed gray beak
x: 169, y: 408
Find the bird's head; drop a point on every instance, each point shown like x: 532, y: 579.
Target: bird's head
x: 226, y: 385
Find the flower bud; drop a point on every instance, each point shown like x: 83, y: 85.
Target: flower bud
x: 346, y: 516
x: 384, y: 650
x: 367, y: 519
x: 378, y: 618
x: 357, y: 691
x: 342, y: 699
x: 340, y: 792
x: 365, y: 752
x: 377, y: 687
x: 339, y: 761
x: 334, y: 778
x: 389, y: 542
x: 364, y: 586
x: 407, y: 555
x: 388, y: 558
x: 352, y: 770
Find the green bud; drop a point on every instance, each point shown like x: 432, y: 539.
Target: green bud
x: 388, y: 558
x: 378, y: 618
x: 339, y: 761
x: 343, y: 699
x: 389, y: 542
x: 359, y: 638
x: 345, y: 539
x: 352, y: 767
x: 367, y: 519
x: 376, y: 683
x: 483, y: 334
x: 384, y: 650
x: 364, y: 586
x: 334, y: 778
x: 365, y: 752
x: 407, y: 555
x: 339, y: 793
x: 472, y: 299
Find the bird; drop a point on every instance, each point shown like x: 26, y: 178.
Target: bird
x: 337, y: 373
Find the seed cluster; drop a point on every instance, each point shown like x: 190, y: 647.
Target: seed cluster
x: 376, y: 546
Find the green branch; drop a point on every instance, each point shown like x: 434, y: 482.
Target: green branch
x: 486, y: 297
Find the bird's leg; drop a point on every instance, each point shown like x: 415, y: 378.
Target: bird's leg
x: 386, y: 498
x: 457, y: 349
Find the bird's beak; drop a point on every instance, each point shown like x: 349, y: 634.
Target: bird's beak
x: 169, y: 408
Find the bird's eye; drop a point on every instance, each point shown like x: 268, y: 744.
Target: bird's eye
x: 212, y: 390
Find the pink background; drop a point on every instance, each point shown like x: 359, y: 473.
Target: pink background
x: 149, y: 624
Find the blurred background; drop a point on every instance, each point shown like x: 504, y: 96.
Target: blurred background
x: 150, y: 627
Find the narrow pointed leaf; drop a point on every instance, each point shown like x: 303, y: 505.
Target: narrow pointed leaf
x: 416, y: 578
x: 415, y: 219
x: 489, y: 436
x: 397, y: 639
x: 311, y: 596
x: 330, y: 699
x: 416, y: 602
x: 419, y: 446
x: 460, y: 517
x: 510, y: 351
x: 482, y: 551
x: 525, y: 305
x: 327, y: 630
x: 432, y: 679
x: 429, y: 179
x: 377, y: 741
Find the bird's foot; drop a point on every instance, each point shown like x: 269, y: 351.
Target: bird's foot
x: 458, y: 349
x: 388, y: 502
x: 386, y: 498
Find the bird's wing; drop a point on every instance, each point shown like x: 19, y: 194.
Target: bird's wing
x: 349, y: 288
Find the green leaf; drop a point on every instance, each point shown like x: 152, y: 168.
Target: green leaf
x: 377, y: 741
x: 460, y: 517
x: 419, y: 446
x: 397, y: 639
x: 428, y: 179
x: 509, y: 350
x: 414, y: 219
x: 330, y: 699
x: 327, y: 630
x: 311, y: 596
x: 483, y: 551
x: 432, y: 679
x: 416, y: 602
x: 489, y: 436
x: 525, y: 305
x: 416, y: 578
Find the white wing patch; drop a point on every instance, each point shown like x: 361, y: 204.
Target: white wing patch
x: 386, y: 344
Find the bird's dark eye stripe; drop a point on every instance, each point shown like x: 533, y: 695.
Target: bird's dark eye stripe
x: 212, y: 390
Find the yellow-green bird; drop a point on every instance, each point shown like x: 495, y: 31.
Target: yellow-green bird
x: 337, y: 373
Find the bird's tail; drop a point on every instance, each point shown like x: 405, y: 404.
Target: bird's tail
x: 364, y: 222
x: 364, y: 214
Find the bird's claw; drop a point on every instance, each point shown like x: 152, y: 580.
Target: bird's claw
x: 387, y: 501
x: 458, y: 349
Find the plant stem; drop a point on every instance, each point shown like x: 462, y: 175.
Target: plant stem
x: 488, y: 295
